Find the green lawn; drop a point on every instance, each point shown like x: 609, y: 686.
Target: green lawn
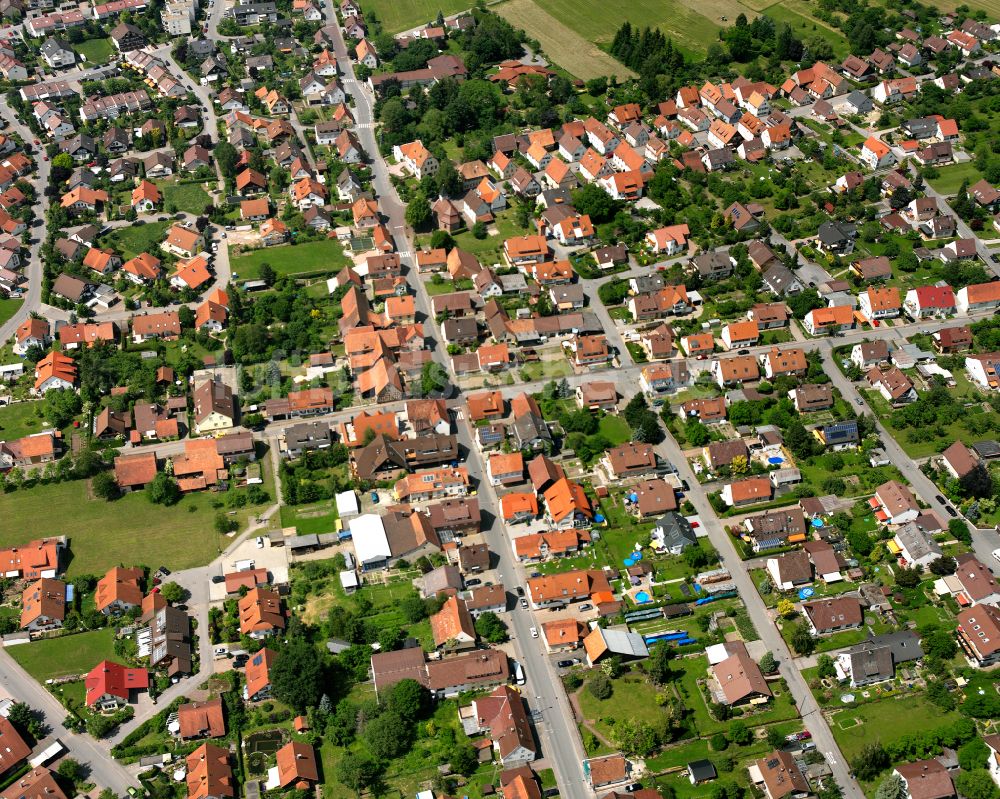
x: 615, y: 429
x: 8, y: 308
x: 313, y: 257
x: 66, y: 655
x: 21, y: 419
x: 318, y: 517
x: 950, y: 178
x: 104, y: 534
x: 396, y: 17
x: 634, y: 697
x: 886, y: 721
x: 779, y: 708
x: 97, y: 51
x: 189, y: 197
x: 137, y: 238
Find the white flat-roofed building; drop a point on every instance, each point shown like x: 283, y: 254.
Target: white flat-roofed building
x: 371, y: 546
x: 347, y: 505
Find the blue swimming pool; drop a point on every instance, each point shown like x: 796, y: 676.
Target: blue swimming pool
x: 643, y: 597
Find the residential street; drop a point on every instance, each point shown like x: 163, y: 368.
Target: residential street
x: 33, y: 271
x: 808, y: 708
x: 543, y: 691
x: 104, y: 770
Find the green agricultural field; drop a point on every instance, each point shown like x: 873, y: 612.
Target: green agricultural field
x: 137, y: 238
x: 66, y: 655
x: 561, y: 43
x: 97, y: 51
x: 310, y: 258
x: 189, y: 197
x: 8, y: 308
x: 103, y: 534
x: 397, y: 17
x: 689, y: 25
x: 806, y: 27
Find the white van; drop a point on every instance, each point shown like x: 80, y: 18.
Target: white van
x: 518, y: 673
x: 996, y: 555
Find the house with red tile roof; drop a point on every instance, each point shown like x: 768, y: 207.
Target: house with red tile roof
x: 109, y: 685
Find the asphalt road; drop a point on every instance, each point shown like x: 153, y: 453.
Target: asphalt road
x: 33, y: 270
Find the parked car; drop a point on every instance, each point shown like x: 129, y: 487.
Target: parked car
x: 585, y: 606
x: 524, y: 603
x: 534, y: 632
x: 472, y: 582
x: 375, y: 497
x: 519, y: 590
x: 218, y: 578
x: 260, y: 542
x: 564, y: 664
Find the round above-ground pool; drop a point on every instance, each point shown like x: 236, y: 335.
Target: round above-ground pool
x: 642, y: 597
x: 774, y: 460
x: 817, y: 522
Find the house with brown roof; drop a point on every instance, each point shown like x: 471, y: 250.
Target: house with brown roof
x: 452, y: 626
x: 214, y: 407
x: 925, y: 779
x: 779, y: 776
x: 13, y: 749
x: 201, y: 720
x: 562, y: 588
x: 834, y: 614
x: 747, y: 491
x: 118, y: 590
x: 164, y: 325
x: 260, y: 613
x: 812, y: 397
x: 296, y: 767
x: 979, y: 634
x: 563, y: 635
x: 209, y: 775
x: 43, y: 605
x: 502, y: 716
x: 258, y: 675
x: 39, y: 783
x: 630, y: 460
x: 740, y: 680
x: 133, y: 472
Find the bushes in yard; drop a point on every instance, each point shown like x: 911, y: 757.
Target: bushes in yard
x: 600, y: 686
